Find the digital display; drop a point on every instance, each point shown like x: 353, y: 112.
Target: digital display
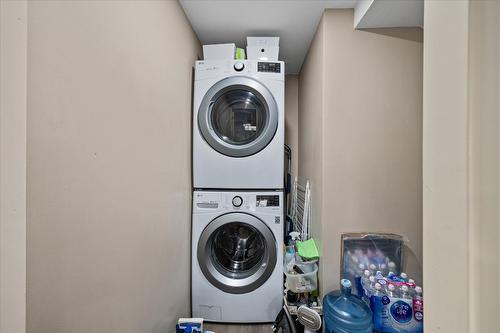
x: 269, y: 67
x: 268, y: 200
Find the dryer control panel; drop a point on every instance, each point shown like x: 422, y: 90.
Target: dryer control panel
x: 206, y: 69
x: 270, y: 67
x: 236, y: 201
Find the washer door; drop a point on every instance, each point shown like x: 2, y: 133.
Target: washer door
x: 238, y: 116
x: 237, y: 252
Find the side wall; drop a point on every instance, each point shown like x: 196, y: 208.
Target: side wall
x: 372, y: 137
x: 461, y: 165
x: 311, y: 87
x: 445, y: 169
x: 292, y: 118
x: 369, y: 123
x: 13, y: 48
x: 484, y: 179
x: 109, y: 112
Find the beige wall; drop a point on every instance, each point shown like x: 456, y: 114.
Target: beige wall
x: 292, y: 118
x: 370, y: 122
x: 311, y: 105
x: 109, y: 110
x: 13, y: 36
x: 484, y: 181
x: 461, y: 165
x: 445, y: 169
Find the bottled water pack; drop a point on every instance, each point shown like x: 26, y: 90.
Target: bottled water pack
x: 396, y: 301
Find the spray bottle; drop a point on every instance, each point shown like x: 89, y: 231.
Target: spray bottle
x: 291, y: 251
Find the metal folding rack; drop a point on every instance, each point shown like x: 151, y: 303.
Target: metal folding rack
x: 301, y: 208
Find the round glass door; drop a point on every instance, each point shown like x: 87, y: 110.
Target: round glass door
x: 237, y: 252
x: 238, y: 117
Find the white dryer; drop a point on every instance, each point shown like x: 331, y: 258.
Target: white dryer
x: 238, y: 124
x: 237, y: 256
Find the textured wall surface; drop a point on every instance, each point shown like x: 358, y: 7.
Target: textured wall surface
x: 109, y: 157
x: 13, y: 113
x: 461, y: 164
x: 292, y: 118
x: 366, y: 109
x: 311, y: 105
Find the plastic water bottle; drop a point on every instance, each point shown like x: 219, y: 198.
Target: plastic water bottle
x: 365, y: 260
x: 378, y: 290
x: 357, y: 280
x: 391, y: 290
x: 404, y: 292
x: 365, y: 284
x: 391, y: 266
x: 418, y: 293
x: 365, y: 280
x: 361, y: 269
x: 376, y: 299
x: 418, y: 304
x: 373, y: 280
x: 411, y: 284
x: 383, y: 269
x: 370, y: 289
x: 346, y: 313
x: 352, y: 265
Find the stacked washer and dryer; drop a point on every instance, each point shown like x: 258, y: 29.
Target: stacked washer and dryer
x: 238, y: 212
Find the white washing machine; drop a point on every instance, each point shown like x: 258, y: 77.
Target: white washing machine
x: 237, y: 256
x: 238, y: 124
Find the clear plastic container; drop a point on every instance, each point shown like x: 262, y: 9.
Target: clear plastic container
x: 302, y: 283
x: 376, y: 251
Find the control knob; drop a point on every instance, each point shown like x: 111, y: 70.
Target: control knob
x: 238, y: 66
x: 237, y: 201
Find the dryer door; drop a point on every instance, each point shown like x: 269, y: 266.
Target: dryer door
x: 238, y: 116
x: 237, y: 252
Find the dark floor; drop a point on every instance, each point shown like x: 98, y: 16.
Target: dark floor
x: 234, y: 328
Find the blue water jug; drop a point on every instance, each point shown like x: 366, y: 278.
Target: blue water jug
x: 346, y: 313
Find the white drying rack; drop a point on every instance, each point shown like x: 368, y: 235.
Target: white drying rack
x: 301, y: 209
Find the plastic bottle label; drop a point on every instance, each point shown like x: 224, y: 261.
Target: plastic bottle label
x: 401, y: 312
x: 396, y: 315
x: 418, y: 308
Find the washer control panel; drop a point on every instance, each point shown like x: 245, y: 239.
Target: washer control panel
x: 267, y: 201
x: 205, y: 201
x: 237, y: 201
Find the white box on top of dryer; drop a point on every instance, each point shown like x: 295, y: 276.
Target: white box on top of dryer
x: 219, y: 51
x: 263, y: 48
